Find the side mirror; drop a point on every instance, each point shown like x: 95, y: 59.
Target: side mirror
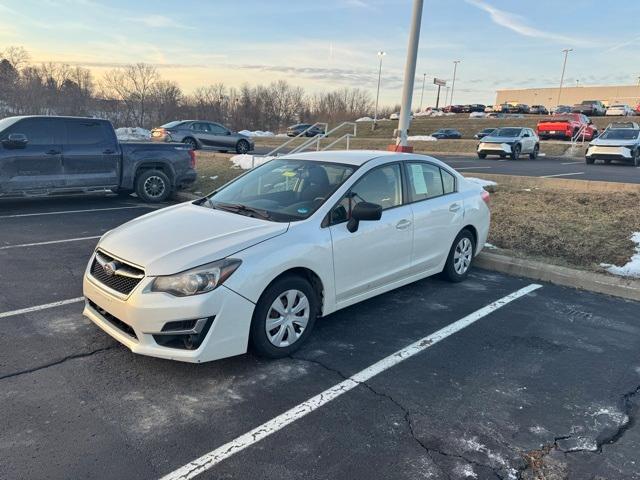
x: 228, y: 132
x: 526, y: 135
x: 363, y: 211
x: 15, y: 140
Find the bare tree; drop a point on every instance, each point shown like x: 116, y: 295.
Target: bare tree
x: 18, y: 56
x: 133, y: 85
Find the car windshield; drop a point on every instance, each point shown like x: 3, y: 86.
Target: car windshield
x: 620, y: 134
x: 506, y: 132
x: 281, y: 190
x: 171, y: 124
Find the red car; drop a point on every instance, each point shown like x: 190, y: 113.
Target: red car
x: 566, y: 127
x: 637, y: 109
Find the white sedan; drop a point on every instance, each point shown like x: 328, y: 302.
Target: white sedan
x: 619, y: 111
x: 259, y: 260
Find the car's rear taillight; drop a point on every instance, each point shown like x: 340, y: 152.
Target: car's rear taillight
x: 192, y: 154
x: 486, y: 197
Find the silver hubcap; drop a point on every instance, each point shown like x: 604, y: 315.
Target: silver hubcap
x: 287, y: 318
x: 242, y: 147
x: 462, y: 256
x: 154, y: 186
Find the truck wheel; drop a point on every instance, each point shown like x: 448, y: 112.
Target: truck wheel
x: 242, y: 147
x: 533, y: 155
x: 153, y: 186
x: 515, y: 152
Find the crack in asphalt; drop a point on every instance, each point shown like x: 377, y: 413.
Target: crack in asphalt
x: 58, y: 362
x: 407, y: 419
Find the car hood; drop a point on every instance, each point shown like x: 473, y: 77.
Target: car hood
x: 490, y: 139
x: 185, y: 236
x: 598, y: 142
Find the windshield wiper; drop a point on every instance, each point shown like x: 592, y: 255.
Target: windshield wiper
x: 243, y: 210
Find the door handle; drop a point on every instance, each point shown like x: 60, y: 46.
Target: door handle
x: 53, y: 152
x: 403, y: 224
x: 108, y: 152
x: 454, y: 207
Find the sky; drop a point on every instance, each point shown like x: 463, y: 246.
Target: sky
x: 328, y: 44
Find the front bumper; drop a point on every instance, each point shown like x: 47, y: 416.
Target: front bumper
x: 494, y: 148
x: 609, y: 153
x: 132, y: 320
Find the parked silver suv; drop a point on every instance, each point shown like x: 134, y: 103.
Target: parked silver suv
x: 510, y: 141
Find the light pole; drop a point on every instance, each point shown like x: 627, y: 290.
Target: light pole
x: 446, y: 96
x: 564, y: 67
x: 424, y: 77
x: 375, y: 114
x: 577, y: 82
x: 402, y: 143
x: 453, y: 84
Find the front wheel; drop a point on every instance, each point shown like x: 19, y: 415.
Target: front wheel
x: 515, y: 152
x: 460, y: 257
x: 482, y: 155
x: 153, y: 186
x: 533, y: 155
x: 284, y: 317
x: 636, y: 158
x: 590, y: 161
x: 242, y: 147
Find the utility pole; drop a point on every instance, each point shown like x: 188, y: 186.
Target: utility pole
x: 375, y: 114
x: 564, y: 67
x: 402, y: 144
x: 446, y: 96
x: 424, y: 77
x: 453, y: 84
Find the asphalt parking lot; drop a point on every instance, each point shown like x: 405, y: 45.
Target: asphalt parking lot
x: 548, y: 384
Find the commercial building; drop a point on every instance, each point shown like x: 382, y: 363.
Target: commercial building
x: 609, y: 95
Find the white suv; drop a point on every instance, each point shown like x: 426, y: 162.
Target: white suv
x: 511, y: 142
x: 261, y: 258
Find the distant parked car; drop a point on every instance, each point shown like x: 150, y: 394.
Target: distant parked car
x: 453, y: 109
x: 476, y: 107
x: 488, y: 109
x: 616, y: 144
x: 446, y: 133
x: 538, y: 110
x: 311, y: 131
x: 394, y: 116
x: 519, y: 108
x: 593, y: 108
x: 637, y: 109
x: 510, y: 141
x: 502, y: 108
x: 483, y: 133
x: 566, y: 127
x: 200, y: 134
x: 619, y: 110
x: 560, y: 109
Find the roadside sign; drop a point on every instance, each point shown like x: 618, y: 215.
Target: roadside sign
x: 439, y: 82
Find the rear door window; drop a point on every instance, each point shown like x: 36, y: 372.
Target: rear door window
x: 86, y: 132
x: 428, y: 181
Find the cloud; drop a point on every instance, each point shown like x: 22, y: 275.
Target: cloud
x: 620, y: 45
x: 157, y: 21
x: 516, y: 24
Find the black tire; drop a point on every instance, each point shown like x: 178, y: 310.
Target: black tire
x: 191, y: 142
x: 502, y: 155
x: 224, y: 151
x: 450, y: 273
x: 482, y: 155
x: 242, y: 147
x: 259, y: 340
x: 607, y: 161
x: 515, y: 151
x: 636, y: 158
x: 153, y: 186
x: 590, y: 161
x: 533, y: 155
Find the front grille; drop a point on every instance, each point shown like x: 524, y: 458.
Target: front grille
x: 116, y: 322
x: 123, y: 278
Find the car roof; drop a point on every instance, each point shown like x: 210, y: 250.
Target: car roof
x: 347, y: 157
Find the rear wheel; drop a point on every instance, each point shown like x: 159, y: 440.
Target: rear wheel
x: 191, y: 142
x: 460, y: 257
x: 153, y: 186
x: 284, y: 317
x: 242, y: 146
x: 533, y: 155
x: 515, y: 151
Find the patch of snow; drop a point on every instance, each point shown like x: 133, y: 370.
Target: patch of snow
x: 256, y: 133
x: 247, y: 161
x: 364, y: 119
x: 490, y: 246
x: 465, y: 471
x: 133, y: 133
x: 632, y: 268
x: 481, y: 182
x: 422, y: 138
x: 477, y: 115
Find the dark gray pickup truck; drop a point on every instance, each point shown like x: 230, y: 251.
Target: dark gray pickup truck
x: 42, y: 155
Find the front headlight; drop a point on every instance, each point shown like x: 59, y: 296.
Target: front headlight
x: 197, y: 280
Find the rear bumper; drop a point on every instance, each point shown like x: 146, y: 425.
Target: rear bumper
x: 561, y: 134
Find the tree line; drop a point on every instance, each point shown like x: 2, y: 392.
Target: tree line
x: 137, y: 95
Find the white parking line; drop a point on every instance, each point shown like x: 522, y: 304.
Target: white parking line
x: 571, y: 163
x: 40, y: 307
x: 562, y: 175
x: 22, y: 245
x: 470, y: 168
x: 216, y: 456
x: 75, y: 211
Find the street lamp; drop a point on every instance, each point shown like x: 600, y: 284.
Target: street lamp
x: 453, y: 84
x: 564, y: 67
x: 375, y: 114
x: 424, y: 77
